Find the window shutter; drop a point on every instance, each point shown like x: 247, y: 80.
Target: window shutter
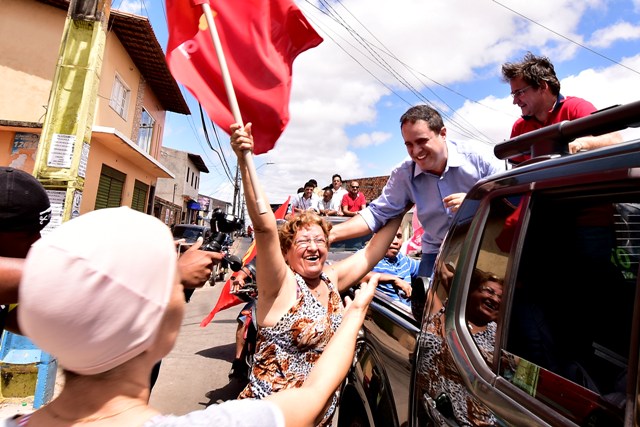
x: 140, y: 191
x: 109, y: 188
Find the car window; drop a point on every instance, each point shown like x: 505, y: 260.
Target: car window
x: 569, y: 329
x: 190, y: 234
x: 350, y: 245
x: 441, y: 389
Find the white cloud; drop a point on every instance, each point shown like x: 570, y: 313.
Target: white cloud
x: 342, y: 103
x: 605, y: 37
x: 447, y: 42
x: 602, y: 87
x: 131, y: 6
x: 369, y: 139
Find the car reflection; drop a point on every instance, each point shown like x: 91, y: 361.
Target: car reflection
x: 438, y: 376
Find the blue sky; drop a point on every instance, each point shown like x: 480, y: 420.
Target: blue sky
x: 349, y: 92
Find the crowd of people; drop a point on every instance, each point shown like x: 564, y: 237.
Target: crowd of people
x: 331, y: 200
x: 109, y: 311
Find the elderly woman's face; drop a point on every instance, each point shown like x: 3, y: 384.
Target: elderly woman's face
x: 308, y: 251
x: 485, y: 300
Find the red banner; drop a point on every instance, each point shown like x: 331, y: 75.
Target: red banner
x: 260, y: 40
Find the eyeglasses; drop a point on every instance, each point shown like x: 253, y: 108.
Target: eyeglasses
x: 518, y: 93
x: 320, y: 242
x: 355, y: 187
x: 490, y: 291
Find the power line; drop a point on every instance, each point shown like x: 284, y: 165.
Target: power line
x: 413, y: 73
x: 223, y: 161
x: 189, y: 118
x: 376, y: 59
x: 317, y: 24
x: 224, y: 158
x: 565, y: 37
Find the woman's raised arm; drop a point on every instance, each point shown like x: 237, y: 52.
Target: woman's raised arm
x: 271, y: 270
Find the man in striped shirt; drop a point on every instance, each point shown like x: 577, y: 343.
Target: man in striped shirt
x: 396, y: 271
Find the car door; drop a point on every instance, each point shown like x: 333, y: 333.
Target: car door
x: 564, y: 346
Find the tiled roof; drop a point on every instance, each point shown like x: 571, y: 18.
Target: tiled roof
x: 371, y: 187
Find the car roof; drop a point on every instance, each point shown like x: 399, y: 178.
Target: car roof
x: 191, y: 226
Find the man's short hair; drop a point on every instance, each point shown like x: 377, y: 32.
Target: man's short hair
x: 313, y: 182
x: 24, y: 204
x: 309, y: 184
x: 334, y: 177
x: 426, y: 113
x: 533, y: 70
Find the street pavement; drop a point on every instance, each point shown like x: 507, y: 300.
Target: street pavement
x: 195, y: 373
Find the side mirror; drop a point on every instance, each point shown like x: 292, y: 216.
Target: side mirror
x: 419, y: 286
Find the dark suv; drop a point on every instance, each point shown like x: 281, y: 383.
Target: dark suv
x: 190, y: 233
x: 532, y: 316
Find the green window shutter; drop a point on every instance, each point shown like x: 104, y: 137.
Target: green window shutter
x: 110, y: 188
x: 140, y: 191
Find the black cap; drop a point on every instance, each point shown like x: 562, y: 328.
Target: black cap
x: 24, y: 204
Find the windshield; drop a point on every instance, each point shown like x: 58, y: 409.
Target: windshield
x: 350, y: 245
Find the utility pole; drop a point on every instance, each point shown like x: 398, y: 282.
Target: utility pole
x: 61, y: 162
x: 236, y: 190
x: 63, y: 150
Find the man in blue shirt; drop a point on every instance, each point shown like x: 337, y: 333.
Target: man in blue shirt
x: 436, y: 179
x: 396, y: 271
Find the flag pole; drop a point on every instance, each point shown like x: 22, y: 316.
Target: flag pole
x: 233, y: 102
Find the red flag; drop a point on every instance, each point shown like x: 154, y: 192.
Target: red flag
x: 260, y: 40
x: 226, y: 298
x: 414, y: 244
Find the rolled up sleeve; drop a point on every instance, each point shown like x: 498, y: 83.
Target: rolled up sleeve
x: 395, y: 197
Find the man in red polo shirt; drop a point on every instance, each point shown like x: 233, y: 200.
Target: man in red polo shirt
x: 353, y: 201
x: 535, y: 88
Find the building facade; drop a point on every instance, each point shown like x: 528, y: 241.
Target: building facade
x: 181, y: 192
x: 135, y: 91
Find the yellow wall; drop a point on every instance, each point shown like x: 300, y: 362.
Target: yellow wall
x: 27, y: 67
x: 28, y: 53
x: 102, y: 155
x: 117, y: 61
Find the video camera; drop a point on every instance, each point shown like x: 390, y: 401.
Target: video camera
x: 221, y: 225
x: 225, y: 223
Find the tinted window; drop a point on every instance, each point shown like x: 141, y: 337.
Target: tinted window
x: 441, y: 388
x: 569, y: 328
x: 190, y: 234
x: 350, y: 245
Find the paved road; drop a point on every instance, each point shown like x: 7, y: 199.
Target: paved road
x: 194, y: 374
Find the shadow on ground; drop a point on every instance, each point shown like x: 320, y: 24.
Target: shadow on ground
x: 228, y: 392
x: 222, y: 352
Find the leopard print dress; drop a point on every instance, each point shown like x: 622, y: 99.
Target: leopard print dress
x: 438, y: 374
x: 286, y: 352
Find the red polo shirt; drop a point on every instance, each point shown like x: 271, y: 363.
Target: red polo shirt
x: 354, y: 205
x: 566, y: 108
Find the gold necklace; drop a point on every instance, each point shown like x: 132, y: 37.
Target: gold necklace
x: 91, y: 418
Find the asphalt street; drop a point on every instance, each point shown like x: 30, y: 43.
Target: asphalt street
x: 194, y: 374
